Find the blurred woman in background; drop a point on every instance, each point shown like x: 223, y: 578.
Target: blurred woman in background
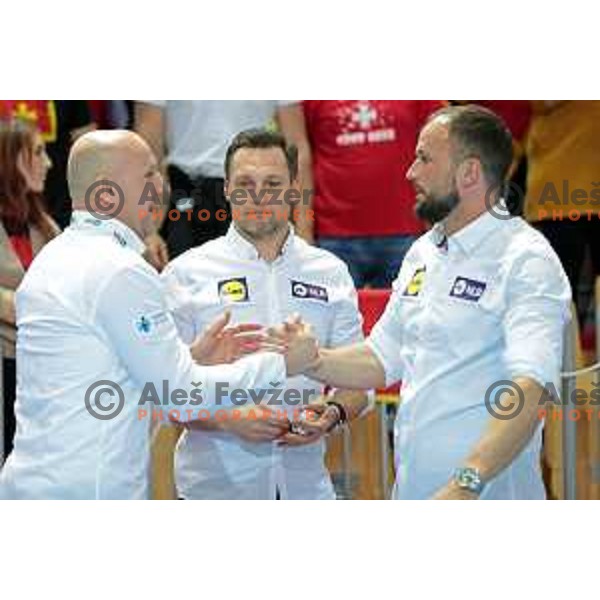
x: 25, y: 227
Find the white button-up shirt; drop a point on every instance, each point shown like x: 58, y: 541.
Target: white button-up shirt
x: 90, y: 309
x: 228, y: 273
x: 489, y: 305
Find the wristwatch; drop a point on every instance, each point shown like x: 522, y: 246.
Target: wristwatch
x: 469, y: 479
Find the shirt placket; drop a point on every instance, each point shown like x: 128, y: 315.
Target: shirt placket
x: 275, y: 316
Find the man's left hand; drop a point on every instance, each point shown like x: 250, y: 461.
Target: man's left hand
x: 319, y: 420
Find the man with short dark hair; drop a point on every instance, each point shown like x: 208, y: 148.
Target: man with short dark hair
x: 263, y: 272
x: 478, y: 309
x: 192, y: 136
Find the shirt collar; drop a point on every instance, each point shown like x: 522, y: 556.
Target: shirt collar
x: 246, y: 249
x: 475, y: 232
x: 124, y: 235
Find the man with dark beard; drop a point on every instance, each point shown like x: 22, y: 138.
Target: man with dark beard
x: 477, y: 310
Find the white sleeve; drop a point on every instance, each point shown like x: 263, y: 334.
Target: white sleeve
x: 386, y: 338
x: 347, y: 325
x: 131, y: 311
x: 539, y: 300
x: 180, y: 304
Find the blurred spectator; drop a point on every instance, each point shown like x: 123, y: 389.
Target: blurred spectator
x: 191, y: 136
x: 60, y: 123
x: 563, y: 186
x: 111, y: 114
x: 24, y: 228
x: 363, y: 204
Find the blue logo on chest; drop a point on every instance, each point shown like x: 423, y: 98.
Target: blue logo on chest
x: 467, y: 289
x: 143, y: 324
x: 309, y: 290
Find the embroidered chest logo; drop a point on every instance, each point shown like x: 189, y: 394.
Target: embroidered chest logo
x: 152, y: 324
x: 467, y: 289
x: 234, y: 290
x: 309, y: 290
x: 143, y: 325
x: 416, y: 283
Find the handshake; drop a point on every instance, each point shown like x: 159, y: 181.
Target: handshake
x: 223, y: 343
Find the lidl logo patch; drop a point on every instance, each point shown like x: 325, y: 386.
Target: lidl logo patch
x: 234, y: 290
x: 416, y: 283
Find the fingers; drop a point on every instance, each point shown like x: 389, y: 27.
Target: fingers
x: 276, y: 348
x: 296, y: 439
x: 276, y: 331
x: 254, y: 341
x: 313, y: 428
x: 217, y: 326
x: 293, y: 323
x: 314, y: 409
x: 164, y: 252
x: 244, y: 328
x: 267, y: 429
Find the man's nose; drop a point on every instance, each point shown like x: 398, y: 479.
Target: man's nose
x: 262, y: 195
x: 410, y: 174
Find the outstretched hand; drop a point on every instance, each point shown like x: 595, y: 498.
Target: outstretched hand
x: 298, y: 343
x: 221, y: 343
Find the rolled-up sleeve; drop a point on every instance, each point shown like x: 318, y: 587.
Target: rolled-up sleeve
x: 538, y: 308
x: 132, y: 313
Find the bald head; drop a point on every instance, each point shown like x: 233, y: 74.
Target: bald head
x: 127, y: 168
x: 103, y: 154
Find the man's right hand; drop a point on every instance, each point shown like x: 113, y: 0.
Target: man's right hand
x: 255, y: 424
x: 300, y: 346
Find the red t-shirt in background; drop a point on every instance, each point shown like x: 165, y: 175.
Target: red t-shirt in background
x: 361, y: 151
x: 516, y: 114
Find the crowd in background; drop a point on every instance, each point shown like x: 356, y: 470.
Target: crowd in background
x: 352, y: 155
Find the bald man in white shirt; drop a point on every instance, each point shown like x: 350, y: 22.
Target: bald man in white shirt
x: 91, y: 317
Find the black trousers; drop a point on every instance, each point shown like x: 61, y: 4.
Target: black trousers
x: 208, y: 196
x: 9, y: 375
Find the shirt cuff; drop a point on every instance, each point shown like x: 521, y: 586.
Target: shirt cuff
x: 391, y: 368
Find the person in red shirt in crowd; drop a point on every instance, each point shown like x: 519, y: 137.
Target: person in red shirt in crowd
x: 24, y: 229
x: 363, y: 205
